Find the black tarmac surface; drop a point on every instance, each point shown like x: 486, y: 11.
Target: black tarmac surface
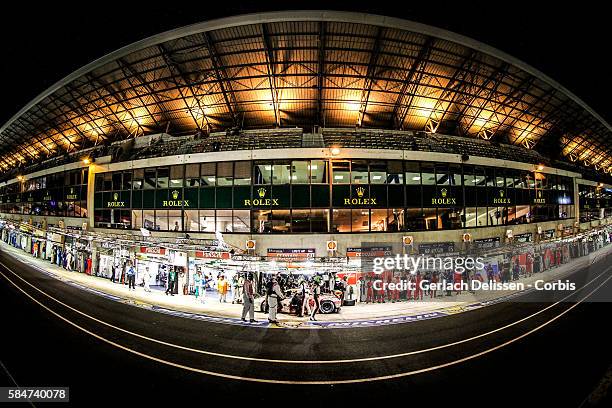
x: 130, y: 354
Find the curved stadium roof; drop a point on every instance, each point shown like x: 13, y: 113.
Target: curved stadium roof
x: 309, y: 68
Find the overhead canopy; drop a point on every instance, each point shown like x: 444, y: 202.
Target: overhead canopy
x: 307, y: 69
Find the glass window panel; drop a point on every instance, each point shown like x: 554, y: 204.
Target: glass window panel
x: 281, y: 173
x: 442, y: 174
x: 450, y: 218
x: 454, y: 174
x: 161, y: 220
x: 428, y: 176
x: 319, y: 220
x: 379, y: 220
x: 242, y: 220
x: 148, y: 219
x: 127, y: 180
x: 207, y: 220
x: 378, y: 172
x: 163, y: 175
x: 413, y: 173
x: 261, y: 221
x: 242, y: 173
x: 395, y: 219
x: 499, y: 180
x: 431, y: 219
x: 108, y: 181
x: 469, y: 217
x: 300, y: 172
x: 192, y: 171
x: 262, y: 173
x: 341, y: 220
x: 511, y: 181
x: 318, y: 172
x: 137, y: 180
x: 300, y: 221
x: 192, y: 219
x: 177, y: 174
x: 99, y: 182
x: 494, y: 216
x: 341, y: 172
x: 395, y: 172
x: 225, y: 173
x: 149, y: 179
x: 360, y: 220
x: 281, y: 220
x: 175, y: 220
x: 208, y: 174
x: 523, y: 214
x: 490, y: 176
x: 359, y: 172
x: 300, y: 196
x: 320, y: 195
x: 479, y: 177
x: 224, y: 221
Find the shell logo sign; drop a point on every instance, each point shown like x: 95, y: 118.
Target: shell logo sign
x: 250, y: 244
x: 407, y: 240
x: 332, y: 245
x: 467, y: 237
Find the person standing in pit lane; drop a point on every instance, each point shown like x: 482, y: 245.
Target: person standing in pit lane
x: 171, y: 278
x: 316, y: 292
x: 197, y: 284
x: 146, y: 278
x: 248, y: 299
x: 274, y: 297
x: 222, y: 287
x: 370, y: 291
x: 131, y: 275
x: 305, y: 294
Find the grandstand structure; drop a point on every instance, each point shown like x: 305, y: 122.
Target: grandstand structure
x: 308, y: 109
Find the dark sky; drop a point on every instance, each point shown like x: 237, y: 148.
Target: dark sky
x: 43, y: 43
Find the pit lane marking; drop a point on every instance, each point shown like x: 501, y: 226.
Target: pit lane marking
x: 321, y: 382
x: 343, y: 361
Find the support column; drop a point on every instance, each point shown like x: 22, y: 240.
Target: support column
x: 576, y: 204
x: 91, y: 177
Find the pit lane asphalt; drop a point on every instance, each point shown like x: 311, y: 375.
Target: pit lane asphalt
x: 239, y: 350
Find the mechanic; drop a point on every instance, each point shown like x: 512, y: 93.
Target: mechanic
x: 275, y: 295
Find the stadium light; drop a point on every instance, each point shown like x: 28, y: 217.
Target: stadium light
x: 540, y: 167
x: 335, y: 151
x: 86, y: 160
x: 20, y: 178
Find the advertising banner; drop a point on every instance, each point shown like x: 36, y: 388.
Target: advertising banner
x: 291, y: 254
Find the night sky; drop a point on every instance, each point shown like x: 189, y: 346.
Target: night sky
x: 43, y: 43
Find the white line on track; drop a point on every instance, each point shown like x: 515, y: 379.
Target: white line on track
x: 320, y: 382
x: 264, y: 360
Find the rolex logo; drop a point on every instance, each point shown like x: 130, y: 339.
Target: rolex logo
x: 443, y: 199
x: 115, y: 196
x: 261, y: 201
x: 175, y: 195
x: 360, y: 191
x: 501, y: 193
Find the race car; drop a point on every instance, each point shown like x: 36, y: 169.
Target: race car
x: 328, y: 303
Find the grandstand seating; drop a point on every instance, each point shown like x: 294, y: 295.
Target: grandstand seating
x: 294, y: 138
